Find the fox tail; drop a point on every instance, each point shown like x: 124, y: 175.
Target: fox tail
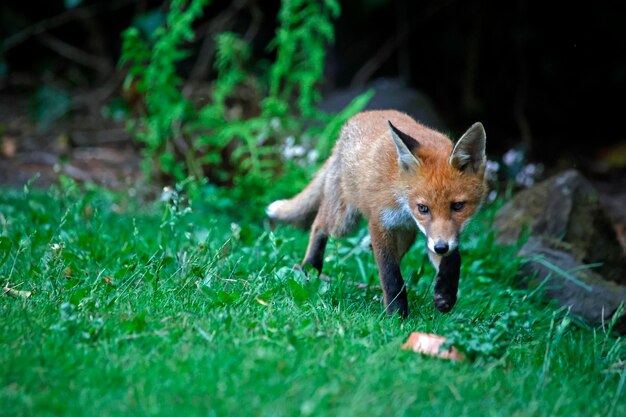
x: 300, y: 210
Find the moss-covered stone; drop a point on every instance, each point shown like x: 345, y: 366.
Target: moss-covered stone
x: 565, y: 212
x: 566, y: 230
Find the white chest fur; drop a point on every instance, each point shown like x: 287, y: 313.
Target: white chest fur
x: 399, y: 217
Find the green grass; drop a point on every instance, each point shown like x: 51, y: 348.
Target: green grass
x: 166, y: 309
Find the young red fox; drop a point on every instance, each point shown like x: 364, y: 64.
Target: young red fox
x: 402, y: 177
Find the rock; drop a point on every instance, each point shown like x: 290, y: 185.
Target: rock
x: 612, y: 190
x: 589, y: 295
x: 390, y: 94
x: 568, y: 234
x: 565, y: 211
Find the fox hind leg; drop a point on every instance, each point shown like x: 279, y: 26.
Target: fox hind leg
x: 333, y: 219
x: 317, y: 245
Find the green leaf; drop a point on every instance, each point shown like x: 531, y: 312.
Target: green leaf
x: 227, y: 298
x: 298, y: 292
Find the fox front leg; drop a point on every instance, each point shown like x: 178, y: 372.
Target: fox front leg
x: 447, y: 281
x: 389, y: 248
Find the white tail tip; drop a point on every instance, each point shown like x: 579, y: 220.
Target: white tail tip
x: 273, y: 209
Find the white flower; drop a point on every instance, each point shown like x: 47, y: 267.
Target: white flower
x: 528, y: 175
x: 275, y: 123
x: 56, y: 248
x: 291, y: 150
x: 168, y: 194
x: 512, y: 157
x: 312, y: 156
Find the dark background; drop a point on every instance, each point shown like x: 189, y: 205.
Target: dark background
x: 547, y: 76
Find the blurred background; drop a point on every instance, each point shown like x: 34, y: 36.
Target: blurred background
x: 547, y: 79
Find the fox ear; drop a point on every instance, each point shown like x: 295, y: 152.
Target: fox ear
x: 469, y: 151
x: 405, y: 145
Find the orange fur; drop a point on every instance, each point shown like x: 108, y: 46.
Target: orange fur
x: 385, y: 180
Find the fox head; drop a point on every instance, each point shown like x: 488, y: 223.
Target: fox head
x: 445, y: 185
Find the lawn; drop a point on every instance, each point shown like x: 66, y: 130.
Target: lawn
x: 167, y: 306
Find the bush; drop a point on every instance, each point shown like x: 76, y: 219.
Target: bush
x: 227, y: 146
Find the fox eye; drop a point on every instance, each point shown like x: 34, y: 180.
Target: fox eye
x: 422, y: 209
x: 458, y: 206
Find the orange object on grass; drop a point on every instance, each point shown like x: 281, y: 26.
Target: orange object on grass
x: 429, y: 344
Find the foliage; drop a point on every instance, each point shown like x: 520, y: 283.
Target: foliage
x: 153, y: 72
x: 299, y: 55
x: 215, y: 139
x: 186, y: 305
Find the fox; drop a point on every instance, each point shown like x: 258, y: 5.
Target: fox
x: 403, y: 178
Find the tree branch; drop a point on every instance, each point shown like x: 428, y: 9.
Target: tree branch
x: 218, y: 24
x: 101, y: 65
x: 58, y: 20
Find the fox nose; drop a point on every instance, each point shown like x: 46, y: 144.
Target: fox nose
x: 441, y: 248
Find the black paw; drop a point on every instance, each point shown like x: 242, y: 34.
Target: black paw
x: 400, y: 307
x: 444, y: 303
